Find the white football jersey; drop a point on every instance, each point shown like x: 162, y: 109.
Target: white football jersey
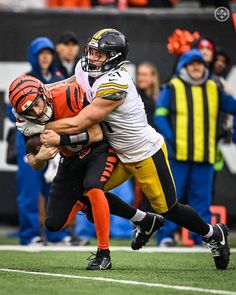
x: 126, y: 128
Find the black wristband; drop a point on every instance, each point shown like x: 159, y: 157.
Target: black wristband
x: 82, y: 138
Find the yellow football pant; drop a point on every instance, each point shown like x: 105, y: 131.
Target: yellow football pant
x: 155, y: 177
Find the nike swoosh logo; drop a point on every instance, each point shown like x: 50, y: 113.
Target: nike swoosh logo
x: 223, y: 240
x: 153, y: 223
x: 101, y: 267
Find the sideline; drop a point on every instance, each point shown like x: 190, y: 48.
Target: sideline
x: 112, y: 248
x: 124, y: 282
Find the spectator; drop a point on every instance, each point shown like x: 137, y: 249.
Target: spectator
x: 207, y: 48
x: 148, y: 88
x: 67, y: 49
x: 187, y: 114
x: 41, y: 57
x: 221, y: 66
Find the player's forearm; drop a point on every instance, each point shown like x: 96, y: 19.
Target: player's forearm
x: 94, y: 113
x: 66, y: 126
x: 74, y: 125
x: 36, y: 163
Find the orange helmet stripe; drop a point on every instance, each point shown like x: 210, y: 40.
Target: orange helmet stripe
x: 23, y: 91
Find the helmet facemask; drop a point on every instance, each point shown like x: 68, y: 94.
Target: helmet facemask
x: 44, y: 116
x: 96, y: 70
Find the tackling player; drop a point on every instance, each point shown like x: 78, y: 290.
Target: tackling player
x: 141, y: 150
x: 82, y: 166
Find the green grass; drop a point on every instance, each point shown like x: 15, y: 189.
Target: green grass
x: 9, y: 241
x: 196, y: 270
x: 114, y: 242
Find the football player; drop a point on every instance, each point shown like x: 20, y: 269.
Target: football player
x: 86, y: 163
x: 141, y: 150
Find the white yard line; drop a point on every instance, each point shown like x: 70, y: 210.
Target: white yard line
x: 112, y: 248
x: 124, y: 282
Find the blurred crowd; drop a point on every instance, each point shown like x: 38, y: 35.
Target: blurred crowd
x: 50, y: 63
x: 120, y: 4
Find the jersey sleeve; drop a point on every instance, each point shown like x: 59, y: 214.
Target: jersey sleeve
x: 113, y: 86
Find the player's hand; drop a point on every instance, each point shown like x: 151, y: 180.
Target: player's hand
x: 29, y: 128
x: 50, y: 138
x: 46, y: 153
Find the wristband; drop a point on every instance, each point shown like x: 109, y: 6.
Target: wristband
x: 82, y: 138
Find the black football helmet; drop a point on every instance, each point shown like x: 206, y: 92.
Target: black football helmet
x: 111, y: 42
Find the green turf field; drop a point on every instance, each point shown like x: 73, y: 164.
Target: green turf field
x: 190, y: 270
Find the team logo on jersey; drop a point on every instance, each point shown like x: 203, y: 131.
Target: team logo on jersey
x: 84, y: 153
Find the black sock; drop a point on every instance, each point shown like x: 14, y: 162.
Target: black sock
x: 117, y: 206
x: 104, y: 252
x: 187, y: 217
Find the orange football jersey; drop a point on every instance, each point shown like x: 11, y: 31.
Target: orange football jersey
x: 68, y: 101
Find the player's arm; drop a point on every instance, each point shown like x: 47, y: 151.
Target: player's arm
x: 69, y: 80
x: 38, y: 161
x: 94, y: 113
x: 93, y: 134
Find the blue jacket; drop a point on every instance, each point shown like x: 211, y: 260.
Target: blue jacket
x: 36, y: 46
x: 163, y: 105
x: 10, y: 115
x: 234, y: 130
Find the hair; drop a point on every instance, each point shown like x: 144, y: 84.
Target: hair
x: 156, y: 85
x: 221, y: 51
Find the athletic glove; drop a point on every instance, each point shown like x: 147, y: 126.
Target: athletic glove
x: 29, y: 128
